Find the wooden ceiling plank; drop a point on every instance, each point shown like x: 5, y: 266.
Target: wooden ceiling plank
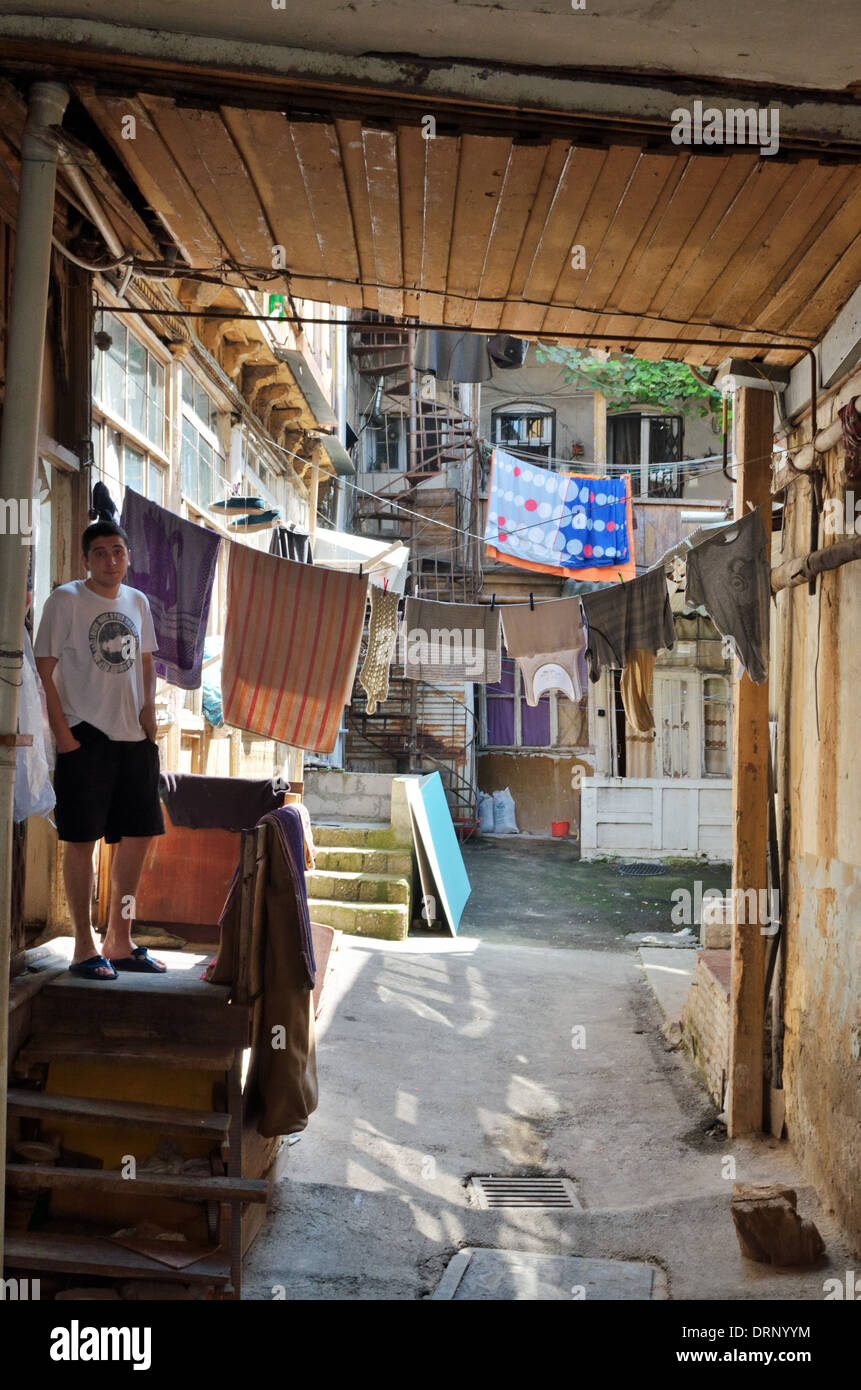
x: 263, y: 141
x: 630, y: 272
x: 349, y: 133
x: 519, y: 188
x: 517, y: 317
x: 822, y: 302
x: 319, y: 158
x: 736, y: 230
x: 411, y: 171
x: 595, y: 226
x: 155, y: 171
x: 225, y: 186
x: 483, y: 161
x: 10, y: 178
x: 833, y: 231
x: 789, y: 305
x: 569, y: 223
x: 13, y: 114
x: 733, y: 174
x: 381, y: 166
x: 633, y: 211
x: 698, y: 177
x: 784, y: 247
x: 756, y: 246
x: 442, y: 157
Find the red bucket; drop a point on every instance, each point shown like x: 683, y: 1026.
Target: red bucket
x: 560, y: 828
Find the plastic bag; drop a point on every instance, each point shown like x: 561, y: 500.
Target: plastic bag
x: 34, y: 795
x: 503, y: 813
x: 486, y: 820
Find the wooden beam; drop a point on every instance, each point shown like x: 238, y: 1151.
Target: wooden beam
x: 34, y: 1177
x: 754, y: 437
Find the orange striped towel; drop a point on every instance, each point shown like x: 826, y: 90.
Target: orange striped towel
x: 290, y: 647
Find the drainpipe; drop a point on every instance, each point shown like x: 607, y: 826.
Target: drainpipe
x: 18, y: 446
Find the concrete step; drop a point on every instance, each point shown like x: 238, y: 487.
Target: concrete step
x: 390, y: 921
x: 371, y: 836
x: 357, y: 887
x: 344, y: 859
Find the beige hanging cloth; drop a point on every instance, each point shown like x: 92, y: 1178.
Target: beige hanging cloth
x: 374, y: 675
x: 636, y: 687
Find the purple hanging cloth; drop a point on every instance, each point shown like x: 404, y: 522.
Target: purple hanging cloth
x: 173, y: 563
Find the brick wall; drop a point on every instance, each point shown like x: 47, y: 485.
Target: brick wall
x: 706, y: 1018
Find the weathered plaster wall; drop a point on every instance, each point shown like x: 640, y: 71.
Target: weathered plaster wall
x: 540, y: 784
x: 822, y: 806
x: 348, y: 796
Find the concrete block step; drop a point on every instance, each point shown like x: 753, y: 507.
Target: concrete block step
x: 358, y: 836
x: 343, y: 859
x: 389, y: 921
x: 357, y: 886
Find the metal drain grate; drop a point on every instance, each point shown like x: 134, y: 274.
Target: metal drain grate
x: 643, y: 870
x: 541, y: 1194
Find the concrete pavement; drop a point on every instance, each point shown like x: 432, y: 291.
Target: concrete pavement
x: 499, y: 1053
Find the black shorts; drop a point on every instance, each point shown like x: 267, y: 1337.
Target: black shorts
x: 106, y: 789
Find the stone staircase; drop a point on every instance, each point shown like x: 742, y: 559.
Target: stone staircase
x: 362, y: 883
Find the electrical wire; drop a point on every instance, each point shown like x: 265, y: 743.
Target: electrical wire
x: 422, y: 516
x: 126, y: 259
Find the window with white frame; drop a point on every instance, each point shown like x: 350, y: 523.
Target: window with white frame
x: 129, y: 433
x: 649, y: 448
x: 507, y: 721
x: 693, y: 717
x: 527, y: 431
x: 201, y: 460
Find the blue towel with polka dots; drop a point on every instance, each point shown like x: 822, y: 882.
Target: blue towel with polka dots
x: 558, y: 519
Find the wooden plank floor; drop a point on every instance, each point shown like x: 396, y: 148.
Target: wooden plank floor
x: 177, y: 1005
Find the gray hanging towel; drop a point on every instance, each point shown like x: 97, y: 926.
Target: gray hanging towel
x: 553, y: 626
x: 453, y: 355
x: 728, y: 574
x: 629, y: 617
x: 451, y: 642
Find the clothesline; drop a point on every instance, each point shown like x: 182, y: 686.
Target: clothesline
x: 292, y: 689
x: 422, y: 516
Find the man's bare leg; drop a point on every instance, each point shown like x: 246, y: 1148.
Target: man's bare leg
x: 78, y: 881
x: 126, y: 868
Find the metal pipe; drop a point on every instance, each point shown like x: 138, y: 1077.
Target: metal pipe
x: 72, y: 174
x: 18, y: 445
x: 803, y: 568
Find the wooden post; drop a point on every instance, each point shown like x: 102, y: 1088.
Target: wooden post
x: 754, y: 433
x: 599, y: 416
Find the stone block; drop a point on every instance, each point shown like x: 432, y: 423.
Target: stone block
x: 769, y: 1228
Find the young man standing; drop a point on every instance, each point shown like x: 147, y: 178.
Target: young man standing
x: 94, y: 654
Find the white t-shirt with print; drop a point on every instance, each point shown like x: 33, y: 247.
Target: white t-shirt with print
x: 98, y: 643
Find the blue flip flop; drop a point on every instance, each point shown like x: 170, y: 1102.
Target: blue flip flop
x: 140, y: 961
x: 87, y: 968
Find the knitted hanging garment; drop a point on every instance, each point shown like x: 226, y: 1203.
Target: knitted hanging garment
x: 374, y: 675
